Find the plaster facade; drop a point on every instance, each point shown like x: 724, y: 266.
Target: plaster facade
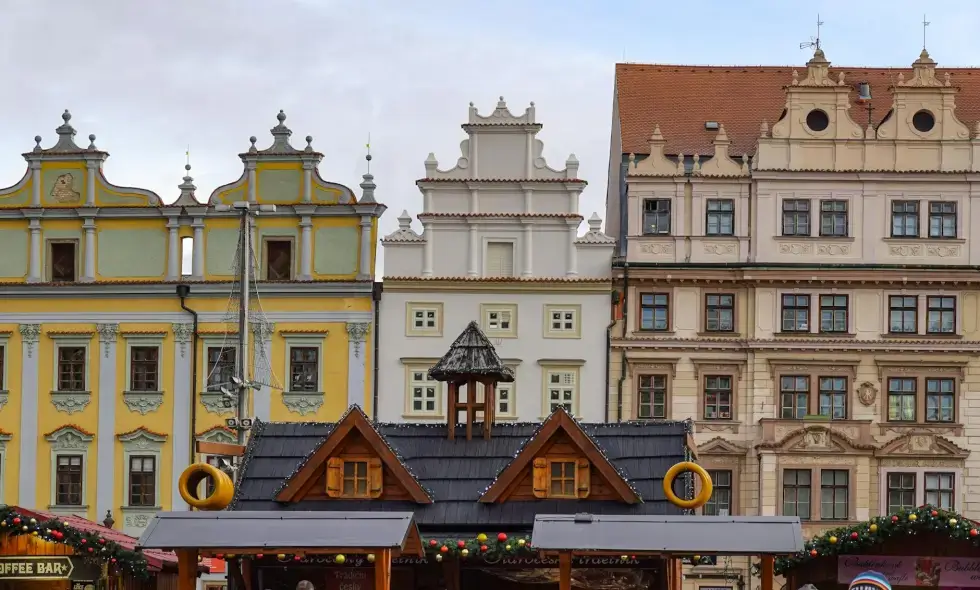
x: 500, y: 244
x: 813, y: 307
x: 97, y: 391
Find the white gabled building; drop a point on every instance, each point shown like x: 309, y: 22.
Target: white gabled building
x: 499, y: 245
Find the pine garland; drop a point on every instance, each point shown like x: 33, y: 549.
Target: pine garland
x: 859, y: 538
x: 484, y: 546
x: 87, y: 545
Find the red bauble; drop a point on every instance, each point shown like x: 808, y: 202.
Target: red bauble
x: 973, y: 532
x: 813, y: 552
x: 259, y: 556
x: 90, y: 550
x: 16, y: 520
x: 461, y: 544
x: 113, y: 560
x: 854, y: 535
x: 217, y: 555
x: 101, y: 541
x: 444, y: 549
x: 297, y: 557
x: 894, y: 519
x: 484, y: 548
x: 432, y: 543
x: 502, y: 537
x: 84, y: 541
x: 933, y: 513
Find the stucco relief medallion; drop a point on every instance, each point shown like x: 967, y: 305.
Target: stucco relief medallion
x: 29, y: 335
x: 302, y: 403
x: 143, y: 402
x: 867, y: 393
x: 905, y: 250
x: 215, y: 403
x: 943, y: 251
x: 657, y: 249
x: 796, y: 249
x: 833, y: 249
x: 70, y: 403
x: 139, y: 521
x: 719, y: 249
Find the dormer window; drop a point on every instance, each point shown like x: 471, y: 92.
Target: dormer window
x: 354, y: 477
x: 62, y: 262
x: 562, y: 478
x: 279, y: 260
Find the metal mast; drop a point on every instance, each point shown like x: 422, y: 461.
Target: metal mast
x: 244, y: 274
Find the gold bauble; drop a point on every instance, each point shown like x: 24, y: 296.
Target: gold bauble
x: 521, y: 542
x: 464, y: 552
x: 952, y: 522
x: 507, y: 547
x: 370, y: 557
x: 281, y: 556
x: 833, y: 540
x: 912, y: 517
x: 340, y: 558
x: 438, y: 557
x: 481, y: 538
x: 873, y: 528
x: 697, y: 558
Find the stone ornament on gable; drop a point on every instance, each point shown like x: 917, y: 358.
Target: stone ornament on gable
x: 867, y: 393
x: 107, y: 335
x: 357, y: 333
x: 29, y: 335
x: 183, y: 333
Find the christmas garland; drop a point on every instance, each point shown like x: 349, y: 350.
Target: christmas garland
x: 87, y: 545
x: 857, y: 539
x: 482, y: 545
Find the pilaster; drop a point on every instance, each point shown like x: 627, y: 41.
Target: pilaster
x: 197, y: 261
x: 173, y: 248
x: 91, y: 170
x: 105, y: 445
x: 357, y: 333
x: 35, y: 266
x: 27, y: 484
x: 364, y: 270
x: 182, y: 429
x: 473, y: 266
x: 262, y: 349
x: 35, y: 166
x: 88, y: 226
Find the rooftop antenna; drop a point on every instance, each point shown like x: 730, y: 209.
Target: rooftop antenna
x: 368, y: 156
x: 925, y: 24
x: 814, y: 42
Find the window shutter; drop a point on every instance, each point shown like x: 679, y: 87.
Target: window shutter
x: 375, y: 481
x: 540, y: 478
x: 582, y: 478
x: 335, y: 477
x: 500, y: 259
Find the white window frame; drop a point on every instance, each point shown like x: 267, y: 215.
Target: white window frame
x: 920, y: 484
x: 487, y: 308
x: 303, y: 402
x: 4, y: 392
x: 72, y: 340
x: 922, y: 311
x: 416, y: 365
x: 212, y: 401
x: 549, y: 330
x: 4, y: 439
x: 513, y: 255
x: 413, y: 307
x: 559, y: 367
x: 142, y: 443
x: 511, y: 389
x: 144, y: 402
x: 69, y: 440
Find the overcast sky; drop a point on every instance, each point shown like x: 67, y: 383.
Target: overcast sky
x: 149, y: 78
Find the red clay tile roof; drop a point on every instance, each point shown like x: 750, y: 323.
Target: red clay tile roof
x: 682, y: 98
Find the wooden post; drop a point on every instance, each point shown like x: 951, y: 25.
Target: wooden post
x: 766, y: 571
x: 248, y: 573
x: 186, y: 569
x: 382, y: 570
x: 565, y: 571
x: 450, y: 573
x: 451, y: 410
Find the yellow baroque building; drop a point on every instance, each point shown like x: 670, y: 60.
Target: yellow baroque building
x: 105, y: 385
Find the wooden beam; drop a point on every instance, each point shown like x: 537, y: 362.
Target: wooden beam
x: 187, y: 569
x: 450, y: 573
x: 766, y: 571
x: 382, y: 570
x: 565, y: 571
x: 216, y: 448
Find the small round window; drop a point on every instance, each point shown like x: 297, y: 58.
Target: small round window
x: 817, y: 120
x: 923, y: 121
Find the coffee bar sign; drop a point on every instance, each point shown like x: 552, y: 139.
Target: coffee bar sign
x: 902, y: 570
x: 36, y: 568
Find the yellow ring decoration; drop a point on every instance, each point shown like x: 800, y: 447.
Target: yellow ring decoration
x: 706, y: 486
x: 191, y: 478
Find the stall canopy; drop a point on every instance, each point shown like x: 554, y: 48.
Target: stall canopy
x: 258, y: 530
x: 715, y: 535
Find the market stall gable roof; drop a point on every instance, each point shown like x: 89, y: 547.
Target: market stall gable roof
x: 455, y: 474
x: 261, y: 531
x: 353, y: 435
x: 723, y: 535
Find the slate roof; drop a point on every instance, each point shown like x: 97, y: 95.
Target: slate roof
x: 457, y: 472
x: 471, y: 354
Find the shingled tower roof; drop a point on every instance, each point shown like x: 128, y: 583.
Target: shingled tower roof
x: 471, y: 355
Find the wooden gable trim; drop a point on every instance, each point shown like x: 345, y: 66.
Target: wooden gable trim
x: 560, y: 420
x: 355, y: 420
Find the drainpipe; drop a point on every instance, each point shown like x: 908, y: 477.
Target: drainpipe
x: 622, y: 363
x: 605, y: 415
x: 183, y: 290
x: 376, y: 294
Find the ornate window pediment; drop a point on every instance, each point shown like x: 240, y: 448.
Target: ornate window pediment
x: 922, y: 445
x: 817, y: 440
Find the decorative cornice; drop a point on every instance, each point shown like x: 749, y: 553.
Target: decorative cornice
x: 143, y: 402
x: 302, y: 403
x: 107, y: 335
x: 29, y: 335
x: 357, y: 333
x: 142, y: 433
x: 71, y: 402
x: 183, y: 334
x: 69, y: 436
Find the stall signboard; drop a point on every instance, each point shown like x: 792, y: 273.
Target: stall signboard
x: 36, y: 568
x: 906, y: 570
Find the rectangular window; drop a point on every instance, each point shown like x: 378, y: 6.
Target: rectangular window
x: 718, y: 397
x: 940, y: 400
x: 796, y: 313
x: 656, y: 217
x: 142, y: 481
x: 942, y: 220
x: 500, y: 259
x: 221, y: 367
x: 833, y: 218
x: 499, y: 319
x: 561, y: 390
x: 940, y: 315
x: 796, y: 493
x: 832, y: 399
x: 562, y: 479
x: 355, y: 479
x: 905, y: 219
x: 3, y: 367
x: 279, y: 260
x: 68, y: 480
x: 940, y: 490
x: 903, y: 314
x: 652, y: 397
x: 505, y: 400
x: 901, y: 399
x: 720, y: 503
x: 304, y: 368
x: 655, y: 312
x: 796, y: 217
x: 833, y: 314
x: 63, y: 262
x: 719, y: 313
x: 424, y: 319
x: 833, y: 494
x: 424, y: 391
x: 71, y: 368
x: 144, y: 368
x: 794, y: 394
x: 720, y: 219
x: 562, y: 321
x: 901, y: 492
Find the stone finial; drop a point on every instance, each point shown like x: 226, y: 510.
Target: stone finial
x: 681, y: 166
x: 187, y: 196
x: 66, y: 136
x: 817, y: 71
x: 37, y: 143
x: 976, y: 131
x: 404, y: 220
x: 657, y: 163
x: 431, y: 165
x: 745, y: 164
x: 404, y: 233
x: 595, y: 237
x: 281, y: 135
x: 946, y: 80
x: 840, y: 78
x: 696, y: 167
x: 91, y: 142
x: 309, y: 143
x: 252, y: 149
x: 595, y: 222
x: 367, y: 185
x: 796, y: 78
x: 764, y: 129
x: 923, y: 72
x: 501, y: 104
x: 571, y: 167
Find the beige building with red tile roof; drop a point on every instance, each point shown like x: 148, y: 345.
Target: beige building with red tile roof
x: 796, y: 270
